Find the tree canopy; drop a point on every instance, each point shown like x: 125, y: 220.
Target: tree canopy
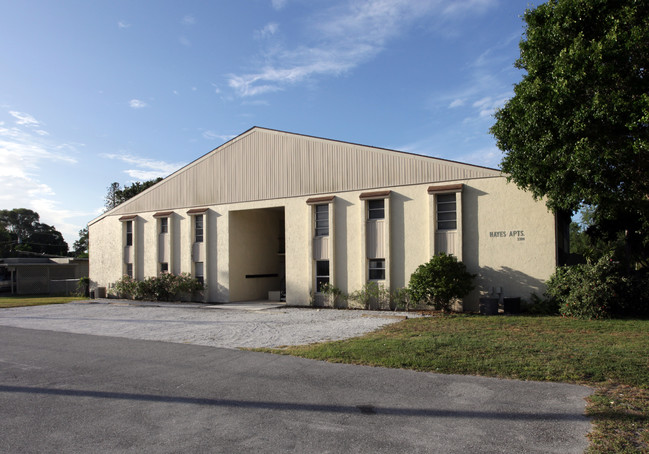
x: 117, y: 194
x: 577, y: 129
x: 80, y: 247
x: 21, y: 232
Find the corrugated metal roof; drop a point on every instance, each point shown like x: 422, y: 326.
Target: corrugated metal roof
x: 265, y: 164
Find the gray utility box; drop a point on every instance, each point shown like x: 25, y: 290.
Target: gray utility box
x: 489, y: 306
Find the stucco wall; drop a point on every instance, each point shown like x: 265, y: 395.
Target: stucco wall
x: 508, y: 240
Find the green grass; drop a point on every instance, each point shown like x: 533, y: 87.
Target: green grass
x: 21, y: 301
x: 611, y: 355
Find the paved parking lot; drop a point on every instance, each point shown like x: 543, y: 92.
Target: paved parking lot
x: 228, y: 326
x: 63, y: 392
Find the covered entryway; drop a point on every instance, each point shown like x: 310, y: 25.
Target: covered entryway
x: 257, y: 254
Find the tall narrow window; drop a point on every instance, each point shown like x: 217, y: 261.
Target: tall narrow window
x: 376, y: 209
x: 129, y: 233
x: 129, y: 270
x: 446, y: 212
x: 377, y: 269
x: 198, y: 272
x: 164, y: 267
x: 321, y: 274
x: 322, y: 220
x: 164, y: 225
x: 198, y: 228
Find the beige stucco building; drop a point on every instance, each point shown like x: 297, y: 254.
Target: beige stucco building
x: 271, y: 211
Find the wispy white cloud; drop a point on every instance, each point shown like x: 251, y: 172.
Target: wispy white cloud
x: 25, y: 155
x: 454, y: 8
x: 137, y: 104
x: 488, y: 85
x: 145, y: 168
x: 189, y: 19
x: 267, y: 31
x: 184, y: 41
x: 486, y: 157
x: 24, y: 118
x: 256, y: 102
x: 53, y: 213
x: 487, y: 106
x: 344, y: 36
x: 123, y: 24
x: 456, y: 103
x: 211, y: 135
x: 278, y: 4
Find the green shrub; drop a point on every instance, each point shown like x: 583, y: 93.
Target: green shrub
x: 372, y: 296
x: 400, y: 299
x: 590, y: 290
x: 83, y: 287
x: 636, y: 296
x: 126, y: 287
x: 165, y: 287
x: 541, y: 306
x: 332, y: 296
x: 439, y: 281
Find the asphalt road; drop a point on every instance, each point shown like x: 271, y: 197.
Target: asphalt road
x: 64, y: 392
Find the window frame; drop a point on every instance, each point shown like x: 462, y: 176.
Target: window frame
x: 199, y: 238
x: 380, y: 268
x: 199, y: 277
x: 375, y: 213
x: 129, y: 270
x: 129, y: 233
x: 321, y: 219
x: 443, y: 224
x: 164, y: 225
x: 322, y: 279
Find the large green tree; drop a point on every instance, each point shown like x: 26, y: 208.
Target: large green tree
x: 20, y: 222
x: 577, y: 129
x: 24, y: 233
x: 80, y: 247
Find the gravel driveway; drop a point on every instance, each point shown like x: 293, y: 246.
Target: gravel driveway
x: 198, y: 324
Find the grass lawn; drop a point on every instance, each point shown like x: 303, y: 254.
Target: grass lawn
x: 610, y: 355
x: 20, y: 301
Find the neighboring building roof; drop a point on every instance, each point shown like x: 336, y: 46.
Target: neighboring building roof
x: 265, y: 164
x: 20, y: 261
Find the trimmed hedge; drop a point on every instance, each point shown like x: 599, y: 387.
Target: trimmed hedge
x: 165, y: 287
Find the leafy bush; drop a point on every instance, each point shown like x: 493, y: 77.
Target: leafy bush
x: 165, y: 287
x: 400, y: 299
x: 126, y: 287
x: 637, y: 295
x: 541, y: 306
x: 83, y: 287
x: 333, y: 296
x: 372, y: 296
x: 590, y: 290
x: 439, y: 281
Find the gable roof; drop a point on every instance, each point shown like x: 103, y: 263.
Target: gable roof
x: 265, y: 164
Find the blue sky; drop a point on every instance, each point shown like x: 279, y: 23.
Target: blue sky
x: 122, y: 90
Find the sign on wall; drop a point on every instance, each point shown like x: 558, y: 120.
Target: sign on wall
x: 519, y: 235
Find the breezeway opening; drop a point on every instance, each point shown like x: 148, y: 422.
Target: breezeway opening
x: 257, y: 254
